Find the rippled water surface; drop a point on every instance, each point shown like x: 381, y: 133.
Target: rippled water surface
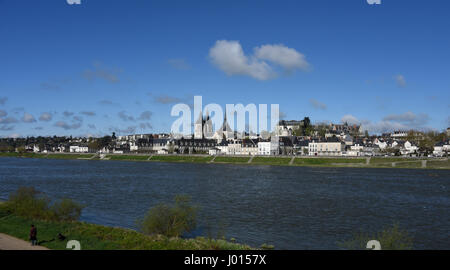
x: 288, y: 207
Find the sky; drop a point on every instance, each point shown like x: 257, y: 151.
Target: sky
x: 106, y: 66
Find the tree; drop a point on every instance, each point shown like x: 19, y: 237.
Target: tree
x: 298, y: 131
x: 306, y: 122
x: 94, y: 145
x: 170, y: 220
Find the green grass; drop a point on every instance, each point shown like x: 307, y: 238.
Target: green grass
x: 127, y: 157
x: 376, y: 160
x: 413, y: 164
x: 232, y: 159
x: 43, y: 155
x: 97, y: 237
x: 438, y: 164
x: 9, y: 154
x: 271, y: 160
x: 328, y: 161
x: 69, y: 156
x: 193, y: 159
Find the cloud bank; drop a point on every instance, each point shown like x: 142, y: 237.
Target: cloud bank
x: 229, y: 57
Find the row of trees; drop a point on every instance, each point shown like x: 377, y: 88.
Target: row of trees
x: 47, y: 143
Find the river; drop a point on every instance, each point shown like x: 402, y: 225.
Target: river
x: 288, y: 207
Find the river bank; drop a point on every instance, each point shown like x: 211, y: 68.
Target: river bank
x: 352, y: 162
x: 98, y: 237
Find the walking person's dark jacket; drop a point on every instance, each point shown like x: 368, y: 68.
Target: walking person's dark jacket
x: 33, y: 233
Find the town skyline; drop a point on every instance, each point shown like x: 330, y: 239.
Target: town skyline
x: 356, y: 63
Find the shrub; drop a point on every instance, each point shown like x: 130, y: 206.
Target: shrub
x: 26, y: 202
x: 170, y: 220
x: 392, y: 238
x: 66, y: 210
x: 30, y: 203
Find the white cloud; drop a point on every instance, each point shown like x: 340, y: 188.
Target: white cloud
x: 405, y: 121
x: 400, y: 79
x: 14, y: 135
x: 8, y: 120
x: 408, y: 118
x: 229, y: 57
x: 66, y: 126
x: 317, y: 104
x: 279, y: 54
x: 28, y: 118
x: 350, y: 119
x: 383, y: 126
x: 125, y: 117
x: 88, y: 113
x: 145, y: 115
x: 45, y: 117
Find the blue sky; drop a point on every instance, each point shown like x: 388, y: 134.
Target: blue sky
x: 118, y: 65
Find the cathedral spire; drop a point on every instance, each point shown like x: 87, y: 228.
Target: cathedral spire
x: 200, y: 118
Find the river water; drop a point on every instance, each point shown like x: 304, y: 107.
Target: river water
x: 288, y: 207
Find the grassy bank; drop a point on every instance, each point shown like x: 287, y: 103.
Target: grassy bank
x: 187, y: 158
x: 328, y: 161
x: 375, y: 162
x: 50, y: 155
x: 128, y: 157
x: 271, y: 160
x: 97, y: 237
x: 224, y: 159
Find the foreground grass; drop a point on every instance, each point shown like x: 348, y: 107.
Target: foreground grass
x: 97, y: 237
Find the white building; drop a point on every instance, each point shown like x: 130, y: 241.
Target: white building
x: 162, y: 151
x: 325, y: 148
x: 234, y: 148
x: 441, y: 148
x: 36, y: 148
x: 267, y: 148
x: 399, y: 134
x: 355, y: 150
x: 381, y: 144
x: 249, y: 150
x: 409, y: 148
x: 214, y: 151
x: 78, y: 149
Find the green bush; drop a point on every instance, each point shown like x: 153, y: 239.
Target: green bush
x: 392, y: 238
x: 170, y: 220
x: 30, y: 203
x: 66, y: 210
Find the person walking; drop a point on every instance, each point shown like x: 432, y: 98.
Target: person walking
x: 33, y: 235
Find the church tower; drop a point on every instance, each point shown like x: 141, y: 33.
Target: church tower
x: 198, y: 127
x: 208, y: 127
